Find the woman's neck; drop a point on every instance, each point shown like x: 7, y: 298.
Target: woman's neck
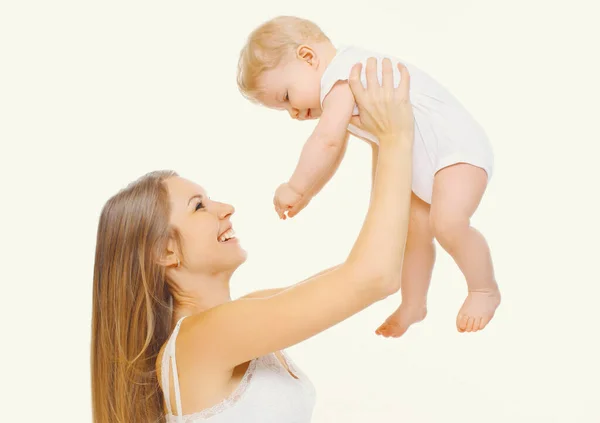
x: 200, y: 294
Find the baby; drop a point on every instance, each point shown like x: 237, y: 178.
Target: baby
x: 289, y: 64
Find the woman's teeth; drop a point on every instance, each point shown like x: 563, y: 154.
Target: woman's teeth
x: 227, y: 235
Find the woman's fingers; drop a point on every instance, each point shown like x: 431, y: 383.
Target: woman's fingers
x: 372, y: 81
x: 387, y: 74
x: 383, y: 109
x: 359, y: 90
x: 404, y: 85
x: 355, y: 85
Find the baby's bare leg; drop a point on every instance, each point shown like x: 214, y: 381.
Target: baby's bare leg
x: 419, y: 257
x: 457, y: 192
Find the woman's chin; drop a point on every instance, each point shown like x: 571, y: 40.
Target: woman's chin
x: 239, y: 257
x: 228, y: 256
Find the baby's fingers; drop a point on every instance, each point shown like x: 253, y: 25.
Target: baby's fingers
x: 293, y: 211
x: 278, y: 209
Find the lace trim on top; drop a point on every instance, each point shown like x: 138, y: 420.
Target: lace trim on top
x: 272, y: 362
x: 226, y: 403
x: 291, y: 365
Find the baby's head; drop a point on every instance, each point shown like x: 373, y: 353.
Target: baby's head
x: 282, y: 63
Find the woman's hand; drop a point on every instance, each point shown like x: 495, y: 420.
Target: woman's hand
x: 385, y: 111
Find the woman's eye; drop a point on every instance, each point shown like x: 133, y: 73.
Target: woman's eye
x: 199, y: 206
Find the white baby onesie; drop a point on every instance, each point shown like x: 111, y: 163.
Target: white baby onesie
x: 445, y: 133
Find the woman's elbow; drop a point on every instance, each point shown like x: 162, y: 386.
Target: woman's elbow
x: 385, y: 285
x: 381, y: 284
x: 390, y: 284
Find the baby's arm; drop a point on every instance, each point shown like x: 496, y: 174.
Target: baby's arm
x: 326, y: 144
x: 316, y: 188
x: 332, y: 169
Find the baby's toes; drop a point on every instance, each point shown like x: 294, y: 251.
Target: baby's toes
x: 477, y: 324
x: 461, y: 322
x: 470, y: 324
x: 484, y: 322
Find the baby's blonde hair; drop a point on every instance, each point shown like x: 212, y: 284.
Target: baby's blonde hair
x: 268, y: 45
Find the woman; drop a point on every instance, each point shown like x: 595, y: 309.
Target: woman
x: 166, y: 337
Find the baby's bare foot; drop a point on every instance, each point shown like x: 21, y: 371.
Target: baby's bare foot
x: 477, y: 310
x: 401, y: 319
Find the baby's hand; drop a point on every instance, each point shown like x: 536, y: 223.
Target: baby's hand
x: 285, y: 199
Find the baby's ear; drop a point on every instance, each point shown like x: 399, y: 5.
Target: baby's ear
x: 307, y: 54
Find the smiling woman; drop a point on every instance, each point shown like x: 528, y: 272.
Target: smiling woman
x: 202, y: 223
x: 168, y: 343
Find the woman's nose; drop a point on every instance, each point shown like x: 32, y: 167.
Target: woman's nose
x: 225, y: 210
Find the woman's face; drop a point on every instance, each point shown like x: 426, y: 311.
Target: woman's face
x: 207, y: 239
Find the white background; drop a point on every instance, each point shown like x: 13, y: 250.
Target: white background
x: 95, y: 94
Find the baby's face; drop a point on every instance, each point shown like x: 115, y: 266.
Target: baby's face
x: 295, y: 86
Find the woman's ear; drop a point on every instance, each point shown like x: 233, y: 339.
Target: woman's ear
x: 307, y: 55
x: 170, y: 257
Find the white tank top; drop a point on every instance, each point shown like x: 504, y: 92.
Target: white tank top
x: 268, y: 393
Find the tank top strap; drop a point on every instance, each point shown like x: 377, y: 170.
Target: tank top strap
x: 169, y: 358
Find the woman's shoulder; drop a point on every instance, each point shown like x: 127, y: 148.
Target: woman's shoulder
x: 178, y: 343
x: 198, y: 372
x: 189, y: 346
x: 194, y: 339
x: 190, y: 337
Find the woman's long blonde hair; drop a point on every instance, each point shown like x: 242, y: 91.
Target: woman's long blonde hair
x: 131, y: 302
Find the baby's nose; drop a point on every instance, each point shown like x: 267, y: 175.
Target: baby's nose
x: 293, y: 112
